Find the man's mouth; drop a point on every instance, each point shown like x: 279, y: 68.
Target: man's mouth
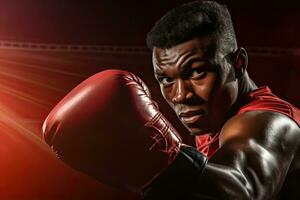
x: 191, y: 117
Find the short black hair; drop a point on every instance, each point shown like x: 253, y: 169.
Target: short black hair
x: 194, y: 19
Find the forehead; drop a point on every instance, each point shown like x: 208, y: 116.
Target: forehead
x: 203, y: 47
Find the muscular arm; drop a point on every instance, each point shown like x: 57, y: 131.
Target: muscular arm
x: 256, y: 151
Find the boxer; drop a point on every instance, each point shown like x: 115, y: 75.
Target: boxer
x: 250, y: 136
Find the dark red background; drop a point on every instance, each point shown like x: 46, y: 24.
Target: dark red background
x: 33, y: 80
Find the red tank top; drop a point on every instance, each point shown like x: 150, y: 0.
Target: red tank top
x: 259, y: 99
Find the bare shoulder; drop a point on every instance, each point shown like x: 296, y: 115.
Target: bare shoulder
x: 270, y: 129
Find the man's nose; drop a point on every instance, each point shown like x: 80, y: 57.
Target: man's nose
x: 182, y: 91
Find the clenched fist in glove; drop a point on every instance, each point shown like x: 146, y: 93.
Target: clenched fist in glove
x: 109, y: 128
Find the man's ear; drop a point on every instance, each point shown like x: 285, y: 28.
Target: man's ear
x: 240, y: 62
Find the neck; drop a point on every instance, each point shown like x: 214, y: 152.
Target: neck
x: 246, y: 85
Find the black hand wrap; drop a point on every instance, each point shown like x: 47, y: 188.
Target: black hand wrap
x: 180, y: 178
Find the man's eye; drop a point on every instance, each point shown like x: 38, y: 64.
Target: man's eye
x: 165, y: 80
x: 198, y: 74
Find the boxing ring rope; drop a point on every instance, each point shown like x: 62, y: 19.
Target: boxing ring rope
x: 139, y: 50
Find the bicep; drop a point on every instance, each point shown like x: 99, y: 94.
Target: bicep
x: 255, y: 154
x: 250, y: 170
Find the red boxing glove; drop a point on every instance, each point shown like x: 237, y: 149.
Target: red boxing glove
x: 109, y: 128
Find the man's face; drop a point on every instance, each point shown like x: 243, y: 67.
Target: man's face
x: 198, y: 82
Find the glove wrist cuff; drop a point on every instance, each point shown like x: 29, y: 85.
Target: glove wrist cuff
x: 182, y: 174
